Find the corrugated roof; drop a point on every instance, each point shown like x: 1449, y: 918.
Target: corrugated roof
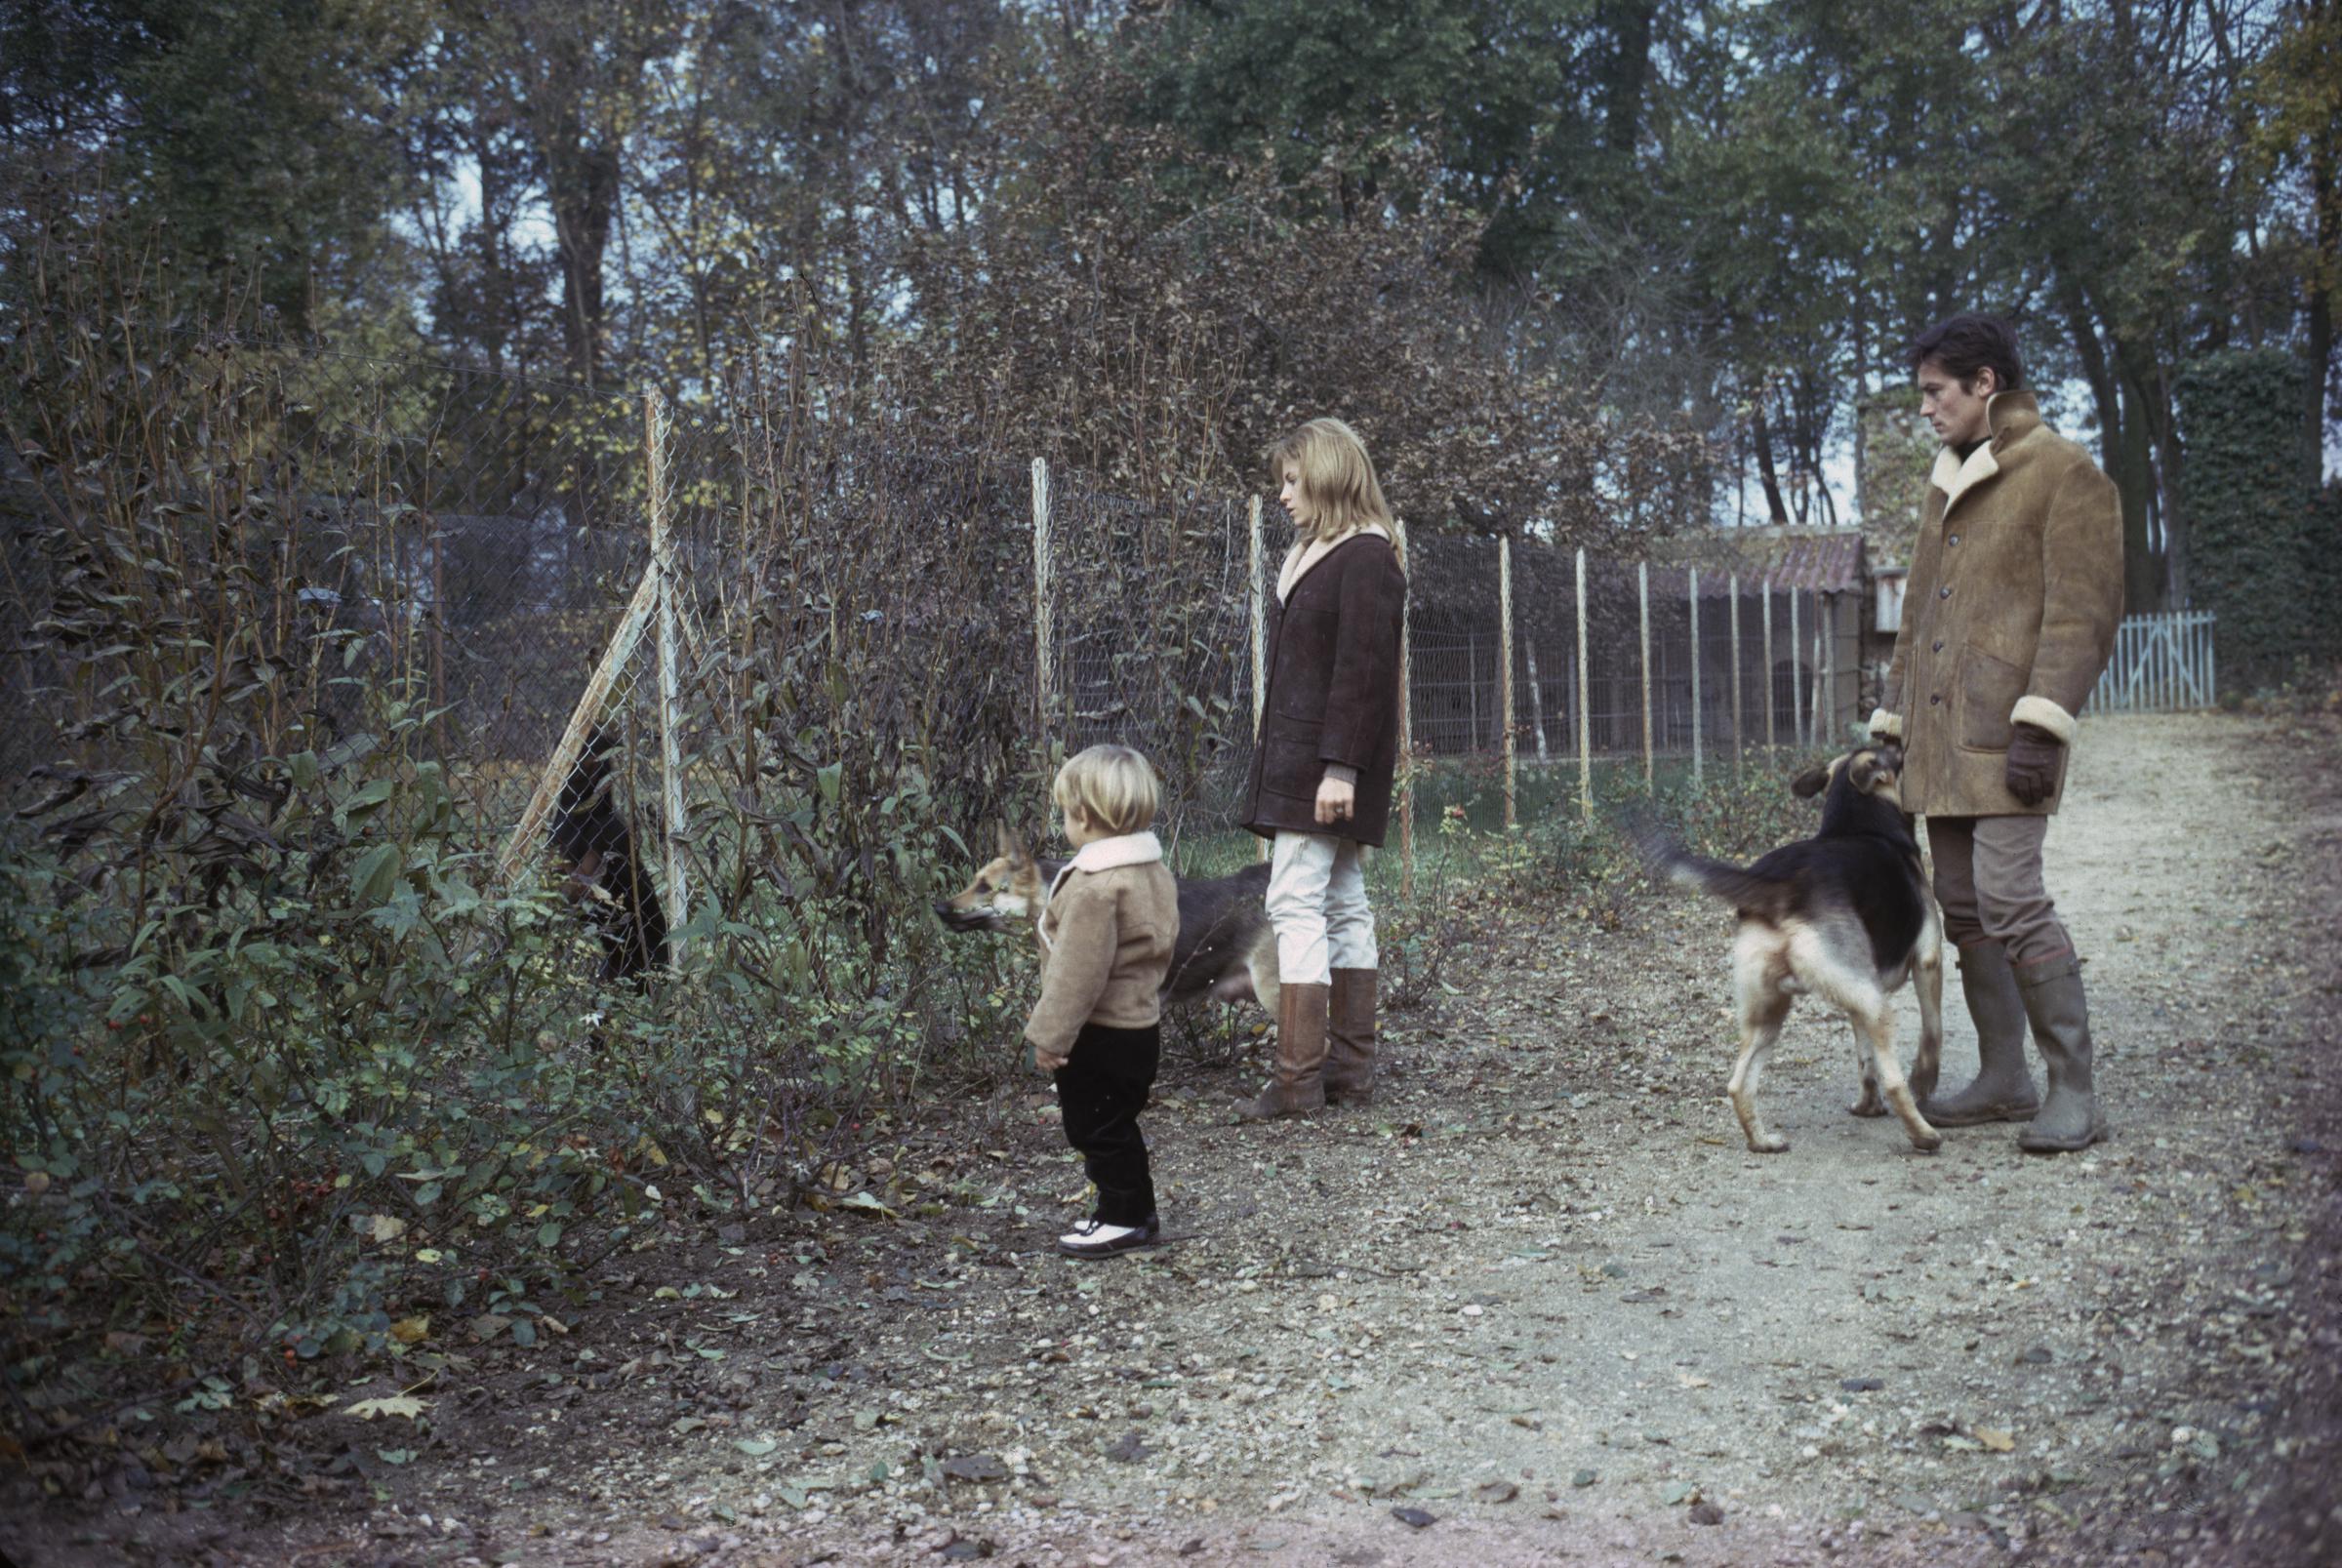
x: 1808, y: 560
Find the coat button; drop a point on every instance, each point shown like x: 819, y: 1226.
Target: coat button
x: 1954, y: 540
x: 1944, y: 592
x: 1932, y: 701
x: 1939, y: 648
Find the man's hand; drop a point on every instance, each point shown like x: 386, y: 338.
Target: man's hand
x: 2033, y: 756
x: 1049, y: 1061
x: 1336, y: 801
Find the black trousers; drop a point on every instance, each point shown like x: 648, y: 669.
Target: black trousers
x: 1100, y: 1090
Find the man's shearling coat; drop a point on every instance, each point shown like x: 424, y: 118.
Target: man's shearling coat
x: 2015, y: 593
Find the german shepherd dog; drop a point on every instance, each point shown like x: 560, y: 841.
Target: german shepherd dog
x: 607, y: 879
x: 1226, y: 947
x: 1844, y: 915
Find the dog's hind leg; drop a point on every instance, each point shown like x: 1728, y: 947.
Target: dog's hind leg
x: 1762, y: 1005
x: 1927, y: 977
x: 1260, y: 963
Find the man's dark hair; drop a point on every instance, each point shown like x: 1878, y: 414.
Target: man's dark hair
x: 1966, y: 344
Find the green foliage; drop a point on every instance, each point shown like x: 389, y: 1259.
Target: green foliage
x: 2253, y: 555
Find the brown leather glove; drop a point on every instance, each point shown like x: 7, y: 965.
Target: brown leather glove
x: 2033, y: 756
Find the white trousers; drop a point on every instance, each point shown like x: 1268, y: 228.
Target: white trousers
x: 1317, y: 904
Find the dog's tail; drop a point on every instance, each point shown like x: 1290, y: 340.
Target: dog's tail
x: 1736, y: 885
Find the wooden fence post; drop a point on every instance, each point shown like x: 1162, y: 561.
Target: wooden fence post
x: 1642, y: 586
x: 1503, y: 611
x: 1825, y: 624
x: 1694, y: 603
x: 1257, y: 591
x: 1406, y: 724
x: 1585, y: 722
x: 1260, y: 620
x: 1044, y: 678
x: 1740, y: 728
x: 1768, y: 662
x: 1797, y: 687
x: 657, y: 428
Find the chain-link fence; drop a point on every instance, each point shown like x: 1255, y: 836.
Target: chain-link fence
x: 487, y: 537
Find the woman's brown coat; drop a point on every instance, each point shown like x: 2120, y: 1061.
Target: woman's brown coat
x: 2016, y: 588
x: 1332, y: 693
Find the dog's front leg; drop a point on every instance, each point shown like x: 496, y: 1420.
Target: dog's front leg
x: 1879, y: 1026
x: 1868, y: 1103
x: 1930, y: 987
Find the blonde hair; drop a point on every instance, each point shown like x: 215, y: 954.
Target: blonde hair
x: 1337, y: 480
x: 1112, y: 786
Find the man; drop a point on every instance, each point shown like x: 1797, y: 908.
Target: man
x: 2009, y: 616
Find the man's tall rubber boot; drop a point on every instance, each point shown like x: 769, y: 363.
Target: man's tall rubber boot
x: 2070, y: 1118
x: 1296, y: 1079
x: 2004, y: 1089
x: 1350, y: 1039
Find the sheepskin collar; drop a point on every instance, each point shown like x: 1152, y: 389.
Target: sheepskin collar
x: 1305, y: 554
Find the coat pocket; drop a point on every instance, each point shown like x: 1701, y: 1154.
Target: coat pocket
x: 1292, y: 765
x: 1989, y: 689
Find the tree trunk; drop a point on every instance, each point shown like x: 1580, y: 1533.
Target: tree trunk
x: 1629, y: 22
x: 2122, y: 451
x: 2325, y: 267
x: 1778, y: 514
x: 582, y: 188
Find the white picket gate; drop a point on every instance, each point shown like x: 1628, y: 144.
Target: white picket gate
x: 2162, y: 663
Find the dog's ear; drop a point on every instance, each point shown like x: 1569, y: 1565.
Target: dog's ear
x: 1813, y: 780
x: 1012, y: 847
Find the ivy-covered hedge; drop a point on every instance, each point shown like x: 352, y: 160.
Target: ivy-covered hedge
x: 2254, y: 554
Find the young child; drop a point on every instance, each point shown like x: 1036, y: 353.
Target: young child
x: 1324, y: 763
x: 1107, y: 931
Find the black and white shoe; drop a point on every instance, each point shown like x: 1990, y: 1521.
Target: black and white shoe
x: 1095, y: 1238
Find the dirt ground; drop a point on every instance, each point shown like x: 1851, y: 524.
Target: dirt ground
x: 1538, y: 1304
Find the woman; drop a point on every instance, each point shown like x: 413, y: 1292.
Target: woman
x: 1321, y: 767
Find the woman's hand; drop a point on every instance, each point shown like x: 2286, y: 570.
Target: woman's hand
x: 1337, y: 800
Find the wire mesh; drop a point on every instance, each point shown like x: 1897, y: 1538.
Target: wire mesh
x: 486, y: 531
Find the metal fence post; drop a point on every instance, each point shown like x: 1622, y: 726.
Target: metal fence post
x: 1585, y: 724
x: 1503, y: 611
x: 656, y: 431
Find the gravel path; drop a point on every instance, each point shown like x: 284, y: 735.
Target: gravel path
x: 1540, y: 1294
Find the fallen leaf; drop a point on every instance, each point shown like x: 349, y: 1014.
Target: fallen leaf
x: 385, y: 1227
x: 756, y: 1447
x: 1993, y: 1439
x: 975, y: 1468
x: 1496, y: 1491
x: 1413, y: 1518
x: 1688, y: 1381
x: 411, y: 1329
x: 397, y: 1405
